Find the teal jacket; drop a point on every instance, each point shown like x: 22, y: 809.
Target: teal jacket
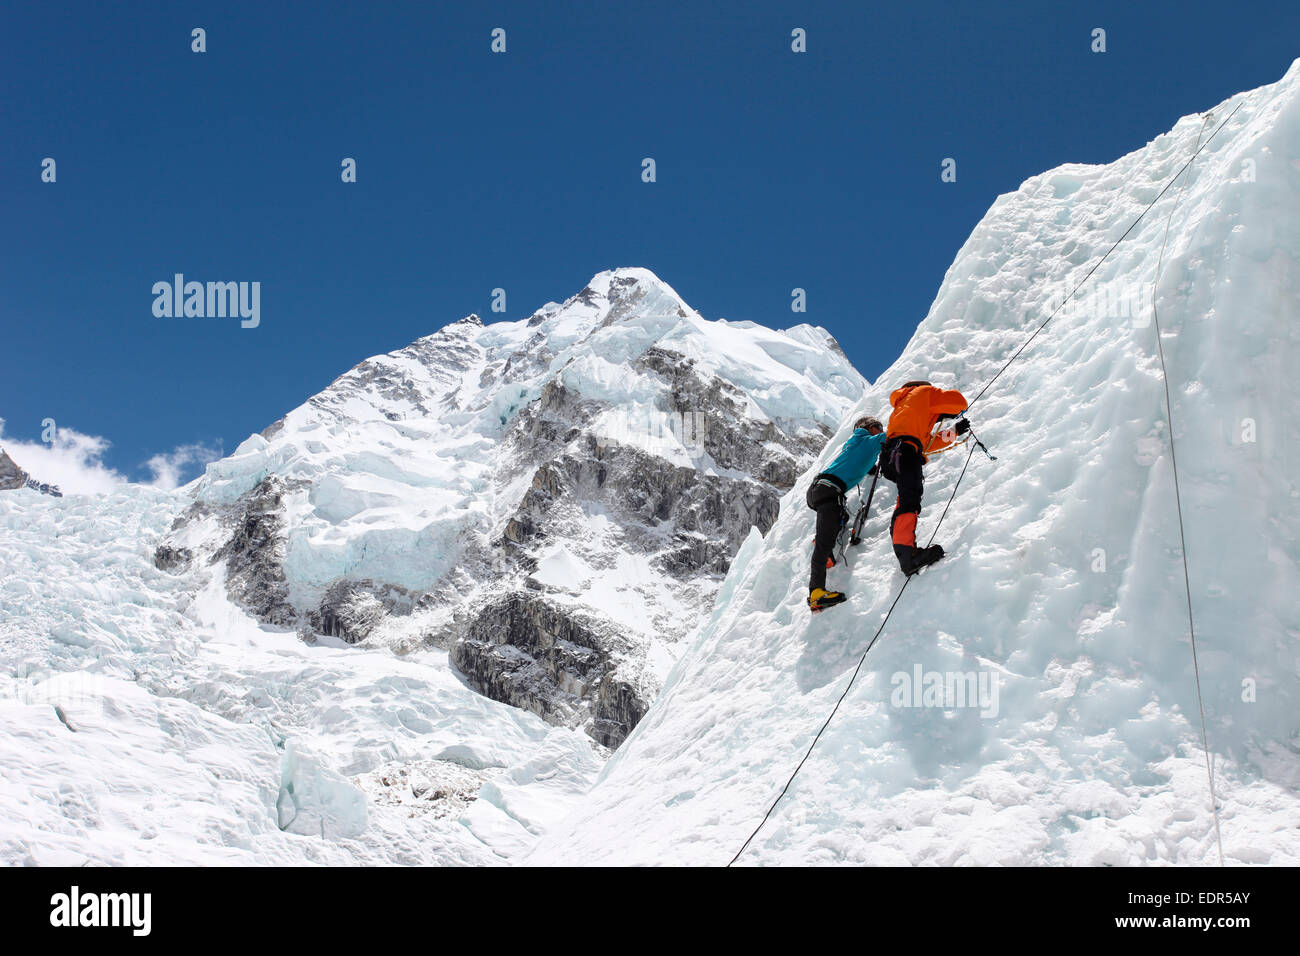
x: 856, y: 457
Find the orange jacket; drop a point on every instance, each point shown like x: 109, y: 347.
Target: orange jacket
x: 917, y: 408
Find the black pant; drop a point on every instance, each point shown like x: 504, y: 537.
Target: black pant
x: 828, y: 502
x: 901, y: 462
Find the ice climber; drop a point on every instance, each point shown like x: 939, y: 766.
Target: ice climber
x: 826, y: 496
x: 909, y: 440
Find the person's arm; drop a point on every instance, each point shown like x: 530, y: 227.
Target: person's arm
x: 950, y: 402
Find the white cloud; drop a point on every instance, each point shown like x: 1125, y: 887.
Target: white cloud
x: 166, y: 467
x: 74, y: 462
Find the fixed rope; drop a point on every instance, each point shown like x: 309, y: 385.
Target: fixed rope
x: 1178, y: 500
x: 1114, y: 245
x: 853, y: 679
x: 861, y: 660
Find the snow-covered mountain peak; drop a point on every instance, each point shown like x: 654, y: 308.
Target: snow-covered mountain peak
x: 583, y: 475
x: 631, y: 293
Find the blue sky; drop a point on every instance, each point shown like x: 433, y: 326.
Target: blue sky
x: 522, y: 171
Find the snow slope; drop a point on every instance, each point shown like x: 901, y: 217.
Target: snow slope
x: 1063, y: 589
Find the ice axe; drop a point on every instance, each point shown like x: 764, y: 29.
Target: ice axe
x: 982, y: 447
x: 952, y: 433
x: 855, y: 535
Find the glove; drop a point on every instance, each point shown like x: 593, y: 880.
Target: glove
x: 963, y: 427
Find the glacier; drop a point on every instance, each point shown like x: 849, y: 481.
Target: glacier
x: 145, y: 723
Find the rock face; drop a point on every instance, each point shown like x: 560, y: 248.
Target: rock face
x: 557, y: 662
x: 352, y: 609
x: 13, y: 477
x: 172, y: 559
x: 553, y: 500
x: 254, y: 555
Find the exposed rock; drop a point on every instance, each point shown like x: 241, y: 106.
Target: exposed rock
x: 11, y: 476
x: 731, y: 438
x: 351, y: 609
x: 526, y: 650
x: 437, y: 788
x: 619, y: 707
x: 254, y: 556
x: 166, y: 558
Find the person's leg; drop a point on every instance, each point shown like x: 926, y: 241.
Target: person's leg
x: 826, y: 502
x: 906, y: 465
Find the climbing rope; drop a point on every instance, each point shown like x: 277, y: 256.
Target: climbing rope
x: 1178, y: 500
x: 1116, y: 243
x: 853, y: 678
x: 861, y: 660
